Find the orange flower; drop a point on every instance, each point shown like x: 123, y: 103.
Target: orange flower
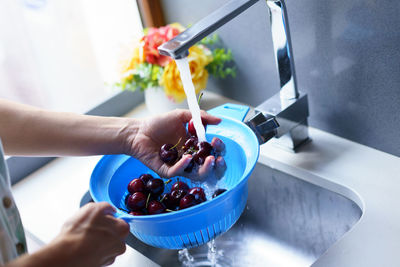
x: 199, y: 57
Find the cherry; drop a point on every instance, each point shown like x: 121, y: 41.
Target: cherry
x: 177, y: 195
x: 136, y: 185
x: 136, y: 201
x: 168, y: 153
x: 180, y: 186
x: 136, y: 213
x: 187, y: 201
x: 192, y: 130
x: 218, y: 192
x: 190, y: 144
x: 198, y: 159
x: 146, y: 177
x: 198, y: 194
x: 155, y: 186
x: 205, y: 149
x: 168, y: 202
x: 155, y: 207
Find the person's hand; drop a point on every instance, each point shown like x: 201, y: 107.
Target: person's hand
x: 93, y: 237
x: 170, y: 128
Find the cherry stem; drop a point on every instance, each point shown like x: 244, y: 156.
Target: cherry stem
x: 176, y: 144
x: 147, y: 201
x: 169, y: 210
x: 161, y: 200
x: 124, y: 210
x: 200, y: 96
x: 168, y: 181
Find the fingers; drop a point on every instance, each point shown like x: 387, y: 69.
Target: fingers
x: 179, y: 167
x: 220, y: 167
x: 185, y: 116
x: 218, y: 145
x: 209, y: 119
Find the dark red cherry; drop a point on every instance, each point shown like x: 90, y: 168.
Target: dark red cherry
x: 198, y: 159
x: 155, y: 207
x: 205, y: 149
x: 176, y: 196
x: 136, y: 213
x: 187, y: 201
x: 155, y: 186
x: 198, y: 194
x: 190, y: 145
x: 168, y: 153
x: 136, y: 185
x: 180, y: 185
x: 192, y: 130
x: 136, y: 201
x: 218, y: 192
x: 145, y: 178
x: 168, y: 202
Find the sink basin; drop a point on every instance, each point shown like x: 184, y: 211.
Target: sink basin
x: 287, y: 222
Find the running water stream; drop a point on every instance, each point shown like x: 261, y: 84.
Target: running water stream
x: 186, y: 77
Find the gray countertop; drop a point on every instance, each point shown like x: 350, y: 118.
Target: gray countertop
x: 369, y: 177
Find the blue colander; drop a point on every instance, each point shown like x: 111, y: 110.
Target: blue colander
x: 199, y: 224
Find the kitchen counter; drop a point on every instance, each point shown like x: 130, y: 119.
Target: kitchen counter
x: 49, y: 196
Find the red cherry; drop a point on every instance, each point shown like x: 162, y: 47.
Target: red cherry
x: 187, y: 201
x: 146, y: 177
x: 198, y: 194
x: 155, y: 207
x: 155, y: 187
x: 192, y: 130
x: 168, y: 153
x: 180, y: 186
x: 176, y: 196
x: 136, y: 201
x: 136, y: 185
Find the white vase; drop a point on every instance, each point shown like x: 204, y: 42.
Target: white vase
x: 157, y: 102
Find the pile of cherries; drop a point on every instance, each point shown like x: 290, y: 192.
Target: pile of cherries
x: 199, y: 151
x: 147, y: 197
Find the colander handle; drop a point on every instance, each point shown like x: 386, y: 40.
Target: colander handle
x: 122, y: 216
x: 230, y: 110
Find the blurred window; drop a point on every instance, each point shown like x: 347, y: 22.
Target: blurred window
x: 63, y: 54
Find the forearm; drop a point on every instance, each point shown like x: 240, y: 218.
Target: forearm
x: 26, y: 130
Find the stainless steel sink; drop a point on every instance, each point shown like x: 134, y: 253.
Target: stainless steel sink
x: 287, y: 222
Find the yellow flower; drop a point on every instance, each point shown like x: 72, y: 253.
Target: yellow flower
x: 128, y: 64
x: 199, y: 57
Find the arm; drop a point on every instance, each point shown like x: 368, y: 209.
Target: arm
x: 26, y: 130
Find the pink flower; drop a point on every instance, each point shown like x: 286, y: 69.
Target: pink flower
x: 153, y: 39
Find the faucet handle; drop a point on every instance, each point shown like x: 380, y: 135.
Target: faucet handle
x: 264, y: 126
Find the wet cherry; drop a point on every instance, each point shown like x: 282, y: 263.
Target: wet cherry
x: 187, y: 201
x: 145, y: 178
x: 155, y: 207
x: 168, y: 202
x: 218, y: 192
x: 155, y: 186
x: 180, y: 185
x: 198, y: 194
x: 190, y: 145
x: 136, y: 185
x: 168, y: 153
x: 192, y: 130
x: 136, y: 201
x: 176, y: 196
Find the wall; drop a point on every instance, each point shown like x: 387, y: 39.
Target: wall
x: 346, y: 55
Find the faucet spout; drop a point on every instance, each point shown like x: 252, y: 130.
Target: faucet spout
x: 178, y: 47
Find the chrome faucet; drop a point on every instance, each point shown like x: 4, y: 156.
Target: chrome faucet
x: 283, y: 117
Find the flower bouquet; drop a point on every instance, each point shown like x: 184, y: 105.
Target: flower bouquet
x: 144, y: 68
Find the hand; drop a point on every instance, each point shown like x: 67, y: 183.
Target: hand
x: 169, y: 128
x: 93, y: 237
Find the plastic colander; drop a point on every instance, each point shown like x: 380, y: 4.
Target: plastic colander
x: 199, y: 224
